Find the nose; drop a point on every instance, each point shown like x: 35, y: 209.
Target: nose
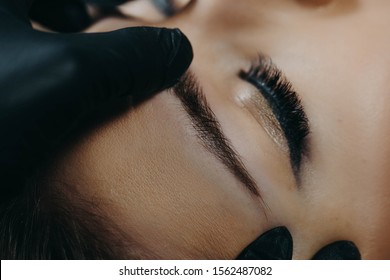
x: 349, y: 190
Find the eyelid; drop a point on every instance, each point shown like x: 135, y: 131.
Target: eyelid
x: 258, y: 107
x: 284, y: 103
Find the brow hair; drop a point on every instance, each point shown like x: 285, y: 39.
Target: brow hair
x: 209, y: 130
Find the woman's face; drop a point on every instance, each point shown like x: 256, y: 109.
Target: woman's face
x: 169, y: 187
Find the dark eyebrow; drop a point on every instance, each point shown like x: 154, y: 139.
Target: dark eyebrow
x: 209, y: 130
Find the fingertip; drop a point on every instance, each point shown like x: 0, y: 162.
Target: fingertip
x: 275, y: 244
x: 339, y: 250
x: 162, y: 56
x: 179, y: 54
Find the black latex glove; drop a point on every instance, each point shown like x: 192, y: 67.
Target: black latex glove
x: 49, y: 82
x: 277, y: 244
x: 339, y: 250
x: 67, y: 15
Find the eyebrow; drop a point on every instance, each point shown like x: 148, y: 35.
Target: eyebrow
x: 209, y: 130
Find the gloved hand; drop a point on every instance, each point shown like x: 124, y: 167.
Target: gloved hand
x: 277, y: 244
x: 49, y: 82
x: 67, y: 15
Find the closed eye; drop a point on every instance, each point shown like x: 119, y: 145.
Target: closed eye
x: 284, y: 103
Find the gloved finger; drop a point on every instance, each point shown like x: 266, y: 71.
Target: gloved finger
x: 17, y: 8
x: 275, y: 244
x: 133, y: 61
x: 67, y: 16
x: 340, y: 250
x: 61, y: 15
x: 66, y: 76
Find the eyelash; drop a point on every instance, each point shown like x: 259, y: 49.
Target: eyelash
x: 284, y: 102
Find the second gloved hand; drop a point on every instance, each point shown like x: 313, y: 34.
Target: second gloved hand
x: 277, y: 244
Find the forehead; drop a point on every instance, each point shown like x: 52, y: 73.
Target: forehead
x: 151, y: 176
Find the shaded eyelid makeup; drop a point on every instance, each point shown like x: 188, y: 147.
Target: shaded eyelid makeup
x: 258, y: 107
x: 284, y: 104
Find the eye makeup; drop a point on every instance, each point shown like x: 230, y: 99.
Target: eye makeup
x: 284, y: 120
x: 258, y: 107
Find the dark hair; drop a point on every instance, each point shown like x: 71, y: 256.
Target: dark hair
x: 45, y: 223
x: 44, y: 219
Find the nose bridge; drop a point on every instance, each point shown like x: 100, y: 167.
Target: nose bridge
x: 349, y: 189
x: 364, y: 138
x: 352, y: 144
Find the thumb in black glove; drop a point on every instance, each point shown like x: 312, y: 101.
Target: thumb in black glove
x: 48, y: 82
